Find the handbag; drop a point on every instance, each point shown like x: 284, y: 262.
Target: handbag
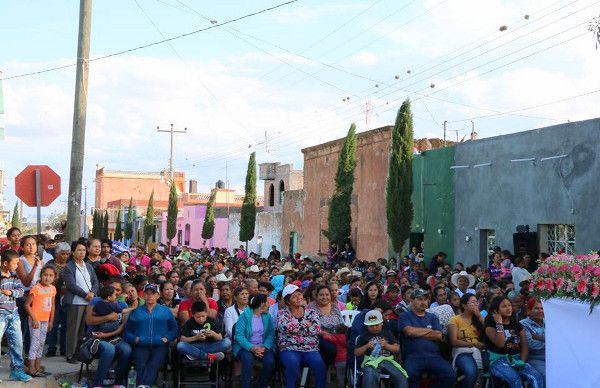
x: 87, y: 347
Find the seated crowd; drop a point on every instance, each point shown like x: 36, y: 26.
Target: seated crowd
x: 394, y: 320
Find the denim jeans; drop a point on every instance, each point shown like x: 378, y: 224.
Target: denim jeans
x: 268, y: 365
x: 293, y: 361
x: 445, y: 376
x: 107, y: 353
x: 11, y: 325
x: 371, y: 375
x: 466, y: 365
x: 148, y: 360
x: 59, y: 327
x: 503, y: 370
x: 200, y: 350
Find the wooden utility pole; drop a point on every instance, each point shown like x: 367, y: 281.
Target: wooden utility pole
x: 172, y: 131
x: 79, y: 116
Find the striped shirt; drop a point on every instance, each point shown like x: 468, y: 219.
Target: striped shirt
x: 12, y: 282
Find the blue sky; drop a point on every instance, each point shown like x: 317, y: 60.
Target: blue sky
x: 285, y: 72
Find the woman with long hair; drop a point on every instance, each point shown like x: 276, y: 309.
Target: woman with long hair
x: 330, y: 318
x: 507, y: 346
x: 373, y: 291
x: 465, y: 332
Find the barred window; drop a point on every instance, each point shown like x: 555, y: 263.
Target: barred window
x: 561, y: 237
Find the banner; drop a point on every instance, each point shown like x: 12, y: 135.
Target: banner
x: 572, y: 344
x: 1, y: 110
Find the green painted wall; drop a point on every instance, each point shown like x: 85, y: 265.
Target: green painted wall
x: 433, y: 200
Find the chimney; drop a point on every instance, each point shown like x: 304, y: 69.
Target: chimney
x: 193, y: 186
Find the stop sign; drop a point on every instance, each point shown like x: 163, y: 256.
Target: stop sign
x: 49, y: 185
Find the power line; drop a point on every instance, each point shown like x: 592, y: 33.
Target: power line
x: 158, y: 42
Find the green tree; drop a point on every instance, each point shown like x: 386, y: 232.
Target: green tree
x: 172, y: 213
x: 248, y: 213
x: 94, y: 233
x: 399, y: 206
x: 339, y: 217
x: 16, y: 220
x: 105, y: 225
x: 129, y: 222
x: 149, y: 222
x: 208, y: 229
x: 118, y: 227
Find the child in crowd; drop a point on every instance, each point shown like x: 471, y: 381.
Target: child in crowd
x: 378, y: 346
x: 354, y: 297
x: 107, y: 305
x: 393, y: 297
x: 40, y: 308
x: 201, y: 337
x: 11, y: 288
x: 339, y: 340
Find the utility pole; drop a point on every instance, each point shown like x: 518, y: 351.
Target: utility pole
x: 445, y: 122
x: 472, y: 129
x: 171, y: 131
x: 79, y: 116
x: 84, y: 232
x: 227, y: 198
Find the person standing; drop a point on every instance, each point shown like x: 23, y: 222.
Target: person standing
x: 62, y: 251
x: 28, y: 271
x: 11, y: 289
x: 421, y: 334
x: 82, y: 285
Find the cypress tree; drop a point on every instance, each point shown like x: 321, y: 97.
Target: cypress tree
x: 172, y: 213
x: 94, y: 224
x: 118, y: 228
x: 339, y: 217
x: 129, y: 222
x: 105, y: 225
x: 248, y: 213
x: 16, y: 220
x: 149, y: 222
x: 399, y: 207
x: 208, y: 229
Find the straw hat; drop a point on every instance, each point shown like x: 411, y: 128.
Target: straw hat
x: 456, y: 276
x: 287, y: 267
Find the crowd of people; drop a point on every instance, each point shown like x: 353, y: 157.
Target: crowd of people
x: 129, y: 308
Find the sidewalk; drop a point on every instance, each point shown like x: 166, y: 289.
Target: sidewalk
x: 61, y: 371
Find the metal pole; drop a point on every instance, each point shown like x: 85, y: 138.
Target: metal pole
x: 38, y: 201
x: 172, y: 132
x: 472, y: 129
x: 84, y: 231
x: 79, y: 117
x: 445, y: 122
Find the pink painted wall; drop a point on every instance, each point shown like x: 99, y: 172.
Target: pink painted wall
x: 194, y: 216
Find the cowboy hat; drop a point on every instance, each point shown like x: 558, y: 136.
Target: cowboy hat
x: 342, y: 271
x: 223, y: 278
x: 456, y: 276
x: 287, y: 267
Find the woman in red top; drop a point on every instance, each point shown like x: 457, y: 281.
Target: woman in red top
x: 198, y: 292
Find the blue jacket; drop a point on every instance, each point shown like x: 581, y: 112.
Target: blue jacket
x: 150, y: 328
x: 243, y: 331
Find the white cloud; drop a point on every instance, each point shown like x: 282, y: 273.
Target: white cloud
x: 365, y: 58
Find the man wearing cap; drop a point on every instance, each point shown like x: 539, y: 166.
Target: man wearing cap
x: 378, y: 346
x: 421, y: 332
x: 149, y: 330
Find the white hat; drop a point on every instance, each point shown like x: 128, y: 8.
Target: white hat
x: 342, y: 271
x: 357, y: 274
x: 223, y: 278
x: 456, y: 276
x: 254, y: 268
x: 286, y: 268
x: 289, y: 290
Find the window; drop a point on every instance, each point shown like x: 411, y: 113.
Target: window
x: 179, y: 237
x: 187, y: 234
x: 558, y: 237
x: 271, y: 195
x: 281, y: 191
x: 487, y: 242
x: 490, y: 238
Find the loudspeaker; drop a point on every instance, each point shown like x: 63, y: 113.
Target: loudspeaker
x: 526, y: 243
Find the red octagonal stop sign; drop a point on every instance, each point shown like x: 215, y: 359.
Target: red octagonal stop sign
x: 49, y: 185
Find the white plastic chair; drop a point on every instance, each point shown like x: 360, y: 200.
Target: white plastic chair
x: 348, y: 316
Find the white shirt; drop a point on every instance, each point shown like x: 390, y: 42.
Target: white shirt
x: 518, y: 274
x: 469, y: 291
x: 83, y: 280
x: 230, y: 317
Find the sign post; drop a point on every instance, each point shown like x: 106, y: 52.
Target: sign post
x: 38, y: 201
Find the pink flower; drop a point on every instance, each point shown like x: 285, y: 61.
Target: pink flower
x: 588, y: 268
x: 595, y: 290
x: 563, y: 268
x: 542, y: 269
x: 596, y: 272
x: 576, y: 268
x: 531, y: 287
x: 552, y: 270
x: 549, y: 285
x: 540, y: 284
x: 582, y: 286
x: 559, y: 283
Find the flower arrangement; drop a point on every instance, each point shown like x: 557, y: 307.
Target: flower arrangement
x: 568, y: 276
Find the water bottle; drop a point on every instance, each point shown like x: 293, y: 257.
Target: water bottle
x: 376, y: 349
x: 131, y: 378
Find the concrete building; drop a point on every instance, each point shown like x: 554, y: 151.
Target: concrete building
x: 527, y: 192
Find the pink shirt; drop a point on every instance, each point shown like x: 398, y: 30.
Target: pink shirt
x: 145, y: 262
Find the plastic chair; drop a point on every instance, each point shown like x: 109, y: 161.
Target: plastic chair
x: 348, y: 316
x: 357, y: 373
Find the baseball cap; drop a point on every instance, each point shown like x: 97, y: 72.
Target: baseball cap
x: 369, y: 276
x: 289, y: 290
x: 420, y: 292
x: 373, y: 318
x: 151, y: 287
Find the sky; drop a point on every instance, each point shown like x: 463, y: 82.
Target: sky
x: 284, y: 79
